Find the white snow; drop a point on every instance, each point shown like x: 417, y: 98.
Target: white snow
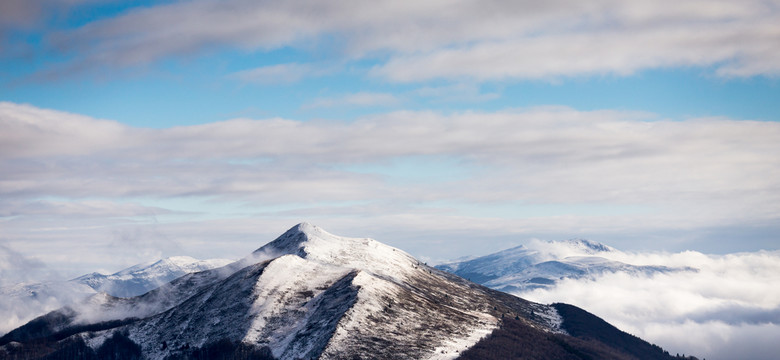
x: 452, y: 347
x: 541, y: 264
x: 310, y: 293
x: 551, y: 317
x: 355, y: 253
x: 277, y: 290
x: 152, y: 274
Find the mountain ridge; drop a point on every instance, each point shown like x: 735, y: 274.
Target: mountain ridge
x: 140, y: 278
x: 307, y: 294
x: 524, y: 268
x: 23, y: 302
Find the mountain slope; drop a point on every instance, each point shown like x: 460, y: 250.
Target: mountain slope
x: 525, y: 268
x: 141, y: 278
x: 24, y: 302
x: 307, y: 294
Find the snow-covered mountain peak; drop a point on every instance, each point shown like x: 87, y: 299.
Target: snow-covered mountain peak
x: 488, y: 267
x: 552, y: 250
x: 180, y: 261
x: 148, y: 268
x: 292, y: 241
x: 308, y: 294
x: 315, y: 244
x: 178, y: 265
x: 587, y: 246
x: 543, y: 263
x: 141, y: 278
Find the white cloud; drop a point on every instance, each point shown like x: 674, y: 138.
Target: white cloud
x: 729, y: 309
x: 15, y: 267
x: 29, y: 132
x: 699, y: 171
x: 15, y: 13
x: 356, y: 99
x: 69, y: 181
x: 460, y: 92
x: 70, y: 208
x: 584, y: 54
x: 473, y: 39
x: 278, y: 74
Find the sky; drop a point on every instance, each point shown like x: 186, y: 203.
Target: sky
x: 149, y: 129
x: 134, y: 130
x: 141, y: 129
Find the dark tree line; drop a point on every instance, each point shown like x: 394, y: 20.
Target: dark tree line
x: 224, y: 350
x: 117, y: 347
x: 591, y: 339
x: 120, y: 347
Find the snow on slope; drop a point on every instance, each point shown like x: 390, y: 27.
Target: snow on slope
x: 320, y: 295
x: 315, y: 244
x: 492, y: 266
x: 541, y: 264
x: 311, y: 294
x: 23, y: 302
x: 141, y: 278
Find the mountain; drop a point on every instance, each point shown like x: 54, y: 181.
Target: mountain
x: 23, y: 302
x: 313, y: 295
x: 141, y: 278
x: 543, y: 264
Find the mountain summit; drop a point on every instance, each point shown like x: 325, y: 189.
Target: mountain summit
x: 314, y: 295
x: 542, y: 264
x: 317, y: 245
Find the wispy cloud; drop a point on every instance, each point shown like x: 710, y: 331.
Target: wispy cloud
x: 460, y: 92
x: 278, y: 74
x: 439, y: 40
x: 27, y: 14
x: 70, y: 208
x: 16, y: 267
x: 707, y: 168
x: 356, y: 99
x: 733, y: 51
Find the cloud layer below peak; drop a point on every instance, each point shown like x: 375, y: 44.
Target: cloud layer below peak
x: 727, y: 309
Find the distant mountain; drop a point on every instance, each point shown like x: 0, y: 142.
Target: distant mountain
x: 313, y: 295
x: 23, y: 302
x: 141, y: 278
x: 544, y: 264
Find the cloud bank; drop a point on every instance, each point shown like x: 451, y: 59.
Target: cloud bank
x: 545, y: 171
x: 729, y: 309
x: 726, y: 169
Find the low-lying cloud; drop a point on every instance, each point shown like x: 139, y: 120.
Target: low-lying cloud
x: 729, y: 309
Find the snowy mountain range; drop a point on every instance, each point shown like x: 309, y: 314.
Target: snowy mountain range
x: 23, y: 302
x: 141, y: 278
x: 543, y: 264
x: 313, y: 295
